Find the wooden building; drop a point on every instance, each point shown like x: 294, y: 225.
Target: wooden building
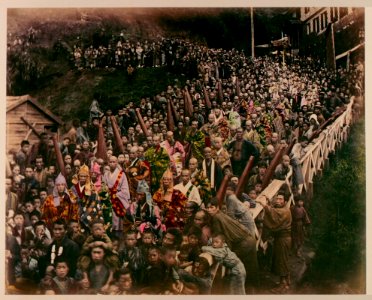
x: 26, y: 119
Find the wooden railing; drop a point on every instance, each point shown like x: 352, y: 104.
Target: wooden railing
x: 313, y: 162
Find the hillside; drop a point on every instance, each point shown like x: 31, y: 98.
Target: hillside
x: 45, y: 70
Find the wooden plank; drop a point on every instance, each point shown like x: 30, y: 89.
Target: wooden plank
x: 269, y: 192
x: 15, y: 130
x: 31, y: 121
x: 34, y: 130
x: 29, y: 132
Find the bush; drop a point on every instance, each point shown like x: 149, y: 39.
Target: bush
x: 338, y: 211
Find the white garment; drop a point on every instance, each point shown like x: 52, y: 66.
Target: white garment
x: 212, y: 166
x: 193, y: 195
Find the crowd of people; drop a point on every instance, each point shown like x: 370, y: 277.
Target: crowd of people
x: 145, y: 216
x: 120, y: 53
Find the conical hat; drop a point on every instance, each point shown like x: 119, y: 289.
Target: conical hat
x: 84, y: 170
x: 95, y: 168
x: 60, y: 179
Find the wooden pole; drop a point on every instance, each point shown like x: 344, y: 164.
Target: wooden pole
x: 206, y: 98
x: 188, y: 103
x: 29, y: 132
x: 60, y: 162
x: 118, y: 140
x: 290, y: 146
x: 219, y: 91
x: 174, y: 112
x: 270, y: 171
x: 141, y: 122
x: 32, y: 127
x: 244, y: 177
x: 101, y: 147
x: 222, y: 190
x: 170, y: 121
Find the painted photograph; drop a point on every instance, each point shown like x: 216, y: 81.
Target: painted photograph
x: 185, y: 151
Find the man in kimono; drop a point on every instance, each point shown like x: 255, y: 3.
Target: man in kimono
x: 117, y: 182
x: 175, y: 151
x: 87, y: 196
x: 278, y: 220
x: 61, y: 204
x: 137, y: 170
x: 211, y: 170
x: 159, y: 161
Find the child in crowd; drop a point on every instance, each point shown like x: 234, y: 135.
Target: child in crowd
x: 19, y: 231
x: 131, y: 257
x: 236, y: 271
x: 249, y: 200
x: 113, y: 290
x: 17, y: 176
x: 199, y: 281
x: 300, y: 219
x: 282, y: 169
x: 61, y: 283
x: 27, y: 271
x: 171, y: 280
x: 194, y: 238
x: 147, y: 241
x: 35, y: 217
x: 97, y: 238
x: 50, y: 185
x: 153, y: 278
x: 37, y: 204
x: 100, y: 273
x: 115, y: 244
x: 46, y: 281
x: 42, y: 239
x: 183, y: 257
x: 125, y: 282
x: 74, y: 233
x: 83, y: 284
x: 258, y: 187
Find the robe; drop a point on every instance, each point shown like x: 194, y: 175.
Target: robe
x: 159, y: 162
x: 68, y: 209
x: 122, y: 194
x: 173, y: 211
x: 279, y: 220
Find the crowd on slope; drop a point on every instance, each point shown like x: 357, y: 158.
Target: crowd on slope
x: 145, y: 217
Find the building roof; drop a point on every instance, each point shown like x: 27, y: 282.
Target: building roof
x: 13, y: 102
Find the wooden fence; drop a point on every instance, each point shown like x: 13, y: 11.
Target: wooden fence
x: 313, y: 162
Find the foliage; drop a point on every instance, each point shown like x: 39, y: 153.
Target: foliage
x: 44, y: 68
x: 338, y: 211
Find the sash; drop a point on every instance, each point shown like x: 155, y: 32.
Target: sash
x: 189, y: 191
x: 80, y: 193
x: 117, y: 206
x: 212, y: 172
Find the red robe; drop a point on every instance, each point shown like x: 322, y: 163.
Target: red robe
x: 67, y: 210
x: 173, y: 211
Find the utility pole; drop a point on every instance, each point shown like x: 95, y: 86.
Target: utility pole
x: 252, y: 33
